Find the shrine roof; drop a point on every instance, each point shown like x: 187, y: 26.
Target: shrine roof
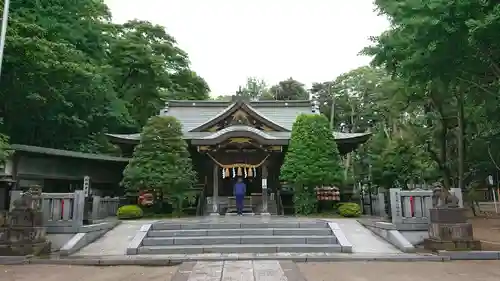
x: 339, y: 136
x: 194, y: 114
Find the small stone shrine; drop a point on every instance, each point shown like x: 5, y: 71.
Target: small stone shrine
x: 21, y: 229
x: 448, y: 228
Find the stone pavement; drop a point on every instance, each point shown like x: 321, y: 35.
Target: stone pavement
x: 232, y: 271
x: 115, y: 241
x: 263, y: 271
x: 362, y: 239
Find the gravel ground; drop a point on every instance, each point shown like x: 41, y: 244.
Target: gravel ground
x: 397, y: 271
x: 85, y: 273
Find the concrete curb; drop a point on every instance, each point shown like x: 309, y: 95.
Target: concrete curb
x: 170, y: 261
x: 133, y: 246
x: 389, y: 233
x: 87, y: 236
x: 470, y: 255
x: 341, y: 238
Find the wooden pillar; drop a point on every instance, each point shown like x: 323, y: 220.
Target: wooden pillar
x: 264, y: 210
x: 215, y: 195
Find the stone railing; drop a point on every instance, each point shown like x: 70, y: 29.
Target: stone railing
x: 65, y: 212
x: 104, y: 207
x: 373, y: 205
x: 62, y: 212
x: 410, y: 208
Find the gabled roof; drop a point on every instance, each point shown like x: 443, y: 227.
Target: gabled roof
x: 194, y: 114
x: 232, y: 109
x: 339, y: 137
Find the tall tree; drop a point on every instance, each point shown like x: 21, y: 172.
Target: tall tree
x: 148, y: 67
x: 312, y: 160
x: 289, y: 89
x: 161, y: 162
x: 69, y: 75
x: 444, y: 51
x: 254, y: 89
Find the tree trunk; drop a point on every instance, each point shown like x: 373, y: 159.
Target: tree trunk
x: 460, y: 138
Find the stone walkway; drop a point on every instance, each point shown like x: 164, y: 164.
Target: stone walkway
x: 115, y: 241
x: 263, y: 271
x: 362, y: 239
x: 233, y: 270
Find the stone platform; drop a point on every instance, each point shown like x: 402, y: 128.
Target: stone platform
x: 255, y: 237
x: 237, y: 235
x: 449, y: 230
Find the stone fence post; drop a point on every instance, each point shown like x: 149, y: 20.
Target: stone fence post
x: 78, y: 208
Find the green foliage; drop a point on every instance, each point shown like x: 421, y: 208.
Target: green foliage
x: 289, y: 89
x: 350, y: 210
x: 447, y: 54
x: 129, y: 212
x: 312, y: 160
x: 70, y: 73
x: 161, y: 161
x: 257, y: 89
x: 5, y: 152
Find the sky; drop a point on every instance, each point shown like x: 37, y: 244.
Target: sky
x: 230, y: 40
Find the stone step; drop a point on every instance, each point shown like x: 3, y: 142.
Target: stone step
x: 241, y: 232
x: 234, y: 210
x: 220, y: 240
x: 236, y: 225
x: 235, y: 214
x: 239, y: 248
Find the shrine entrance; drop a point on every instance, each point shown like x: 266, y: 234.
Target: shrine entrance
x: 254, y: 185
x: 242, y: 156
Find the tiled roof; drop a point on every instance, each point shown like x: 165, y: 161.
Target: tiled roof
x: 193, y: 114
x: 66, y: 153
x: 268, y: 135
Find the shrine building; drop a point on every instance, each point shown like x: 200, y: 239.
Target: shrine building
x: 239, y: 139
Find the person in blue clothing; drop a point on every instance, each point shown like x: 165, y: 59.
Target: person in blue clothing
x: 239, y: 191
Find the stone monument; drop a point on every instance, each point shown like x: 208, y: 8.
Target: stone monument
x: 21, y: 229
x: 448, y: 228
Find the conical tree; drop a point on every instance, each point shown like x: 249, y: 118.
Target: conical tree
x: 161, y: 161
x: 312, y: 160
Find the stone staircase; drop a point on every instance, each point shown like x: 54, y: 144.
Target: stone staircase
x: 239, y: 235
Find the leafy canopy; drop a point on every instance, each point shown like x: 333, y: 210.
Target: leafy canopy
x: 161, y: 160
x: 70, y: 75
x: 312, y: 158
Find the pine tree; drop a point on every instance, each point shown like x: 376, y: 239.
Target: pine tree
x: 161, y: 161
x: 312, y: 160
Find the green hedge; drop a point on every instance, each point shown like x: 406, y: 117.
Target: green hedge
x: 129, y: 212
x: 350, y: 210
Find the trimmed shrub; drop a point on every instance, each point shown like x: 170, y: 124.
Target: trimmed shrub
x: 350, y: 210
x: 161, y: 162
x: 129, y: 212
x: 312, y: 160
